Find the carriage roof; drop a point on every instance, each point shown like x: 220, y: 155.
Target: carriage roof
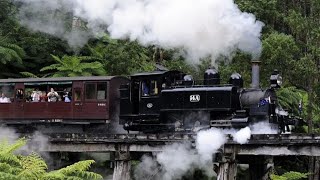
x: 58, y: 79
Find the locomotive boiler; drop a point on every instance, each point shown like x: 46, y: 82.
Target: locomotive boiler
x: 172, y: 101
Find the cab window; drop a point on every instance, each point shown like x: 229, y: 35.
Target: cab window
x: 149, y: 88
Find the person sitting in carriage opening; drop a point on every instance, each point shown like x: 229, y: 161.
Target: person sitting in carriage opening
x: 4, y: 99
x: 53, y: 96
x: 66, y: 97
x: 19, y: 94
x: 36, y: 95
x: 43, y: 97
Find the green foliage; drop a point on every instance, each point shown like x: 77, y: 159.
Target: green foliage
x: 33, y: 167
x: 77, y: 170
x: 121, y: 57
x: 291, y: 175
x: 10, y: 52
x: 279, y: 51
x: 241, y: 64
x: 69, y: 66
x: 290, y: 97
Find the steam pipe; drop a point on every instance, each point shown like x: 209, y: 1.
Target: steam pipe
x: 255, y: 83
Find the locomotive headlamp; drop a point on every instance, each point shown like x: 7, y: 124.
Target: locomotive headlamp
x: 275, y: 79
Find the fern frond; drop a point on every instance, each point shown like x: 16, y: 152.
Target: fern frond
x: 8, y: 176
x: 51, y: 67
x: 9, y: 159
x: 29, y: 74
x: 13, y: 147
x: 78, y: 166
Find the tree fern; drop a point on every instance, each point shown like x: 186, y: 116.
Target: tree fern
x: 9, y: 148
x: 290, y: 97
x: 33, y: 167
x: 74, y: 66
x: 10, y: 52
x: 29, y: 74
x: 79, y: 169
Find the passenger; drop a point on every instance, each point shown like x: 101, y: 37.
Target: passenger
x: 43, y: 97
x: 53, y: 96
x: 28, y: 97
x: 145, y: 89
x: 35, y: 95
x: 66, y: 97
x: 4, y: 99
x: 19, y: 94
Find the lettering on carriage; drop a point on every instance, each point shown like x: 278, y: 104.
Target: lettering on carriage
x: 195, y: 98
x: 55, y: 120
x: 102, y: 104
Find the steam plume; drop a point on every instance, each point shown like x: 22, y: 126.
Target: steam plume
x: 177, y: 160
x: 37, y: 142
x: 199, y: 28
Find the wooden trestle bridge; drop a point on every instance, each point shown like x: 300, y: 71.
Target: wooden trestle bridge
x: 258, y: 152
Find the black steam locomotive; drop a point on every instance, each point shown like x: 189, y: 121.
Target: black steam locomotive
x: 171, y: 101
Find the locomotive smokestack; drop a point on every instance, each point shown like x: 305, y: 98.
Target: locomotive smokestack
x: 255, y: 74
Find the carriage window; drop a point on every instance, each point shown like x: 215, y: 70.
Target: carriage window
x: 91, y: 91
x: 102, y: 91
x: 7, y: 93
x: 77, y: 94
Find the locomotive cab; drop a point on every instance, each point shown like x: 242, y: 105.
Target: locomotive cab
x: 140, y: 100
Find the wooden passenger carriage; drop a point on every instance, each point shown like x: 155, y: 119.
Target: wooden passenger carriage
x: 93, y: 100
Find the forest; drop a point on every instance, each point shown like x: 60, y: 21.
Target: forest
x: 290, y: 43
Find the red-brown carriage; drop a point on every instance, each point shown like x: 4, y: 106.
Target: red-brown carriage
x: 81, y: 101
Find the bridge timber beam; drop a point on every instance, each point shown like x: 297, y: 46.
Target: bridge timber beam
x: 272, y: 145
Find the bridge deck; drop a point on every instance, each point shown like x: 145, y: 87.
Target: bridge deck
x: 266, y: 144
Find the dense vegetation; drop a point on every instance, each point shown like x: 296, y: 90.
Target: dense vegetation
x: 291, y: 44
x: 14, y: 166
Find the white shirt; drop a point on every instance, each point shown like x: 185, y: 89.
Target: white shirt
x: 4, y: 100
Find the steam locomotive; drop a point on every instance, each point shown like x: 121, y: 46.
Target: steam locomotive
x: 156, y: 101
x: 171, y: 101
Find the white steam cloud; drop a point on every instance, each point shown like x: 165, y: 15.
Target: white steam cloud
x: 199, y: 28
x: 37, y: 142
x: 242, y: 136
x: 177, y: 160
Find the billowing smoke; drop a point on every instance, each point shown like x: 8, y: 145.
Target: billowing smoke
x: 199, y: 28
x: 263, y: 127
x: 177, y: 160
x: 242, y: 136
x: 37, y: 142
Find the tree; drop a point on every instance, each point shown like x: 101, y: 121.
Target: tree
x: 10, y: 52
x: 121, y: 57
x: 74, y: 66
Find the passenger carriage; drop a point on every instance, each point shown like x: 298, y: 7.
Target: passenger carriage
x: 93, y: 100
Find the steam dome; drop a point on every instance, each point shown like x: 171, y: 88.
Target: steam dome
x: 236, y: 80
x: 211, y: 77
x: 188, y: 80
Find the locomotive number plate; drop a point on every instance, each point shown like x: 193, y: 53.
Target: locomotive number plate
x: 195, y: 98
